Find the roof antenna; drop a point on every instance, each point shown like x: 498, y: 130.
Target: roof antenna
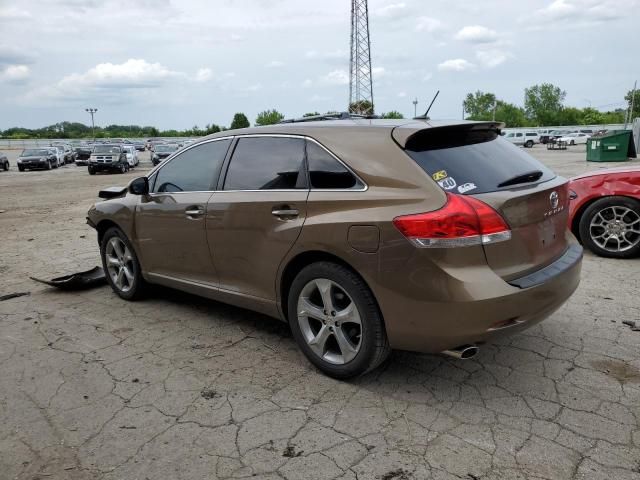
x: 426, y: 114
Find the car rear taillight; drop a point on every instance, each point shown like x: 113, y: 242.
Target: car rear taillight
x: 462, y: 222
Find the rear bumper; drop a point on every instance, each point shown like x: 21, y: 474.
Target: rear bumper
x: 475, y: 318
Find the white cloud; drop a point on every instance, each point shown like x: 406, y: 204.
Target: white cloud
x: 275, y: 64
x: 254, y: 88
x: 428, y: 24
x: 336, y: 77
x: 15, y: 73
x: 13, y: 13
x: 393, y: 10
x: 307, y: 83
x: 455, y: 65
x: 203, y: 75
x: 491, y: 58
x: 427, y: 77
x: 579, y: 13
x: 378, y: 72
x: 402, y: 94
x: 476, y: 34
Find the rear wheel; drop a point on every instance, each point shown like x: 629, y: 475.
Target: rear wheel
x: 610, y: 227
x: 6, y: 166
x: 572, y: 142
x: 121, y: 265
x: 529, y: 144
x: 336, y: 321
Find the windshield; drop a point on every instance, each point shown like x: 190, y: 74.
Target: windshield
x: 34, y: 153
x: 106, y: 149
x: 472, y: 161
x: 166, y: 148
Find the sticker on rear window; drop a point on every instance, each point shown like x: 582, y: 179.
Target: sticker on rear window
x: 448, y: 183
x: 442, y: 174
x: 467, y: 187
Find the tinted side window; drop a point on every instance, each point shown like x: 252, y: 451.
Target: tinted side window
x: 326, y: 172
x: 266, y: 163
x: 194, y: 170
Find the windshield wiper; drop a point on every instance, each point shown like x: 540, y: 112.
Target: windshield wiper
x: 522, y: 178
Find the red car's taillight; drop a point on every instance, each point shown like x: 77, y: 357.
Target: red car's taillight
x: 462, y: 222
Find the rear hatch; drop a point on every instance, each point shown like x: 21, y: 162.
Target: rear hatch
x: 473, y: 160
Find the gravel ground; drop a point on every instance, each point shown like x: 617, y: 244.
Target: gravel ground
x: 178, y: 387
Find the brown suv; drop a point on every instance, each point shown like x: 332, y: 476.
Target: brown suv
x: 364, y: 235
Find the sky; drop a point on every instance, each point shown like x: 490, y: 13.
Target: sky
x: 180, y: 63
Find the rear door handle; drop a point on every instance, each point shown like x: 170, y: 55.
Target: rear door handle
x: 194, y: 211
x: 285, y: 212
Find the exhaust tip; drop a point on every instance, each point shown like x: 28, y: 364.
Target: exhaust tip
x: 464, y: 352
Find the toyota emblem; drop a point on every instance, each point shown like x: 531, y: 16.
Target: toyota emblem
x: 554, y: 199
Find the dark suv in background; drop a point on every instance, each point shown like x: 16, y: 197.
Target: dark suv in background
x: 363, y: 235
x: 108, y: 158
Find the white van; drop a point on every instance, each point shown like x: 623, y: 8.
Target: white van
x: 526, y: 139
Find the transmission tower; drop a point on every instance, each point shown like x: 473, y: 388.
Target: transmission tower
x: 361, y: 84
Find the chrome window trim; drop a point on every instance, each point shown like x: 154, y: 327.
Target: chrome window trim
x: 310, y: 189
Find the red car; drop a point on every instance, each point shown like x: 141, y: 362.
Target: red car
x: 605, y: 211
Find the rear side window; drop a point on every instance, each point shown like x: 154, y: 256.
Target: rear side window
x: 193, y: 170
x: 467, y: 160
x: 325, y: 172
x: 267, y: 163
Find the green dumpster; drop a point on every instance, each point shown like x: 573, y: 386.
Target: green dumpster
x: 615, y: 146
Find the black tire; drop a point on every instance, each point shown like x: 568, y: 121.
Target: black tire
x: 529, y: 144
x: 48, y: 167
x: 600, y: 207
x: 6, y: 166
x: 572, y: 142
x: 374, y: 345
x: 123, y: 168
x: 138, y: 287
x: 21, y: 169
x: 91, y: 171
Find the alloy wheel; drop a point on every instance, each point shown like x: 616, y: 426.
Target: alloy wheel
x: 329, y: 321
x: 119, y: 263
x: 615, y: 228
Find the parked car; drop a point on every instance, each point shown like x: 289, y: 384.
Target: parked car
x: 59, y: 150
x: 140, y: 147
x: 83, y: 153
x: 132, y: 155
x: 162, y: 152
x: 4, y: 162
x: 524, y: 139
x: 605, y: 211
x: 553, y: 135
x: 69, y: 154
x: 105, y: 158
x: 364, y: 235
x: 31, y: 158
x: 575, y: 138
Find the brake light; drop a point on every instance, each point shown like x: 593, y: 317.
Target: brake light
x: 462, y: 222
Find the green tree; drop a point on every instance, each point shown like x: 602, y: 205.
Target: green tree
x: 310, y: 114
x: 512, y: 115
x: 269, y: 117
x: 636, y: 103
x: 393, y: 114
x: 543, y: 103
x: 361, y: 107
x: 240, y: 120
x: 571, y: 116
x: 213, y: 128
x: 479, y: 105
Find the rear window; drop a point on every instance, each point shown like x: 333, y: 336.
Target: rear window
x: 471, y: 160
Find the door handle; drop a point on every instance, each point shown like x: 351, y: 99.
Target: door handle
x: 285, y: 212
x: 194, y: 211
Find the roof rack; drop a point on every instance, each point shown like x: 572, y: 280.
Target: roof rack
x: 329, y: 116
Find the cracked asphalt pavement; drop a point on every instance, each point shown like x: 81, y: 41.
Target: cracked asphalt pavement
x: 178, y: 387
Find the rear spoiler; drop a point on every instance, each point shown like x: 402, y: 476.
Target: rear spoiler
x: 112, y: 192
x: 405, y: 133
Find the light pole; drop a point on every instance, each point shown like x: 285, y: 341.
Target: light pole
x: 415, y: 107
x: 91, y: 111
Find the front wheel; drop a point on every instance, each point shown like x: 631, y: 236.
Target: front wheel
x: 21, y: 169
x: 572, y: 142
x: 610, y: 227
x: 336, y: 321
x: 92, y: 171
x: 6, y: 167
x: 48, y: 166
x: 123, y: 168
x: 121, y: 265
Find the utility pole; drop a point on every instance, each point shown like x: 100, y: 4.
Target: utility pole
x: 92, y: 111
x: 415, y: 107
x: 629, y: 119
x: 495, y: 105
x: 360, y: 78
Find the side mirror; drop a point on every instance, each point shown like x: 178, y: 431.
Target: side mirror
x: 139, y: 186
